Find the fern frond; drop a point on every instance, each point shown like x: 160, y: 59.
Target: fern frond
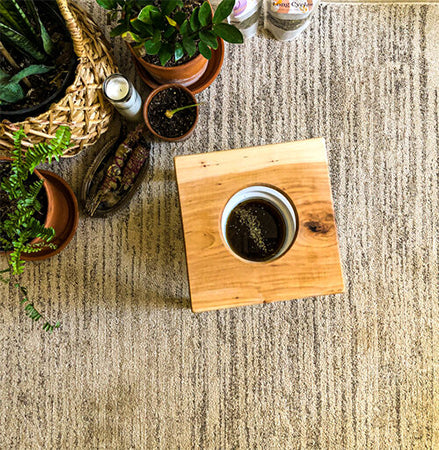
x: 35, y: 248
x: 18, y: 137
x: 34, y: 189
x: 32, y: 312
x: 43, y: 151
x: 5, y: 280
x: 15, y: 261
x: 60, y: 142
x: 4, y: 243
x: 20, y: 227
x: 48, y: 327
x: 41, y: 232
x: 30, y: 309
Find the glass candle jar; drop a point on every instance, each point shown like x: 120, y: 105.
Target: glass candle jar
x: 121, y: 93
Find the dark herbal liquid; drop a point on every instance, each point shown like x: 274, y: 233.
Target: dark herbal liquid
x: 255, y: 230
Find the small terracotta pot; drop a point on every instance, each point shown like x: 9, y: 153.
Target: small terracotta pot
x: 184, y: 74
x: 146, y: 107
x: 62, y: 214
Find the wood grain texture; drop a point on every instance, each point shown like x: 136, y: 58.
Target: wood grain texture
x: 133, y: 368
x: 217, y: 279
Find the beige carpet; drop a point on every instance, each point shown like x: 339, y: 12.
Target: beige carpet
x: 132, y: 367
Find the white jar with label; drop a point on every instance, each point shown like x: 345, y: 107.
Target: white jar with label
x: 245, y: 16
x: 286, y: 19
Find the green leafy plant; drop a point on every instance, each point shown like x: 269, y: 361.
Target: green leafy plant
x: 22, y: 31
x: 22, y: 28
x: 168, y: 29
x: 19, y: 224
x: 10, y: 89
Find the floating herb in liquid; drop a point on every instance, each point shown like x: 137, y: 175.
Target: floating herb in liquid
x: 255, y: 230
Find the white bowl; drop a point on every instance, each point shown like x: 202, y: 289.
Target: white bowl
x: 275, y: 198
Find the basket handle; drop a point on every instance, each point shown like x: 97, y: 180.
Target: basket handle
x: 72, y: 26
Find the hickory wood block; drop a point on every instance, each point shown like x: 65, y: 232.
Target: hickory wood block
x: 217, y: 278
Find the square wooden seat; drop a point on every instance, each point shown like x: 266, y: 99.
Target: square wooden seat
x: 217, y: 277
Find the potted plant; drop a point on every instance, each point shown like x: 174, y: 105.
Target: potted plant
x: 30, y: 203
x: 171, y: 112
x: 172, y: 39
x: 37, y: 60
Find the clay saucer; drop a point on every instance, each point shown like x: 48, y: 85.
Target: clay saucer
x: 65, y: 235
x: 212, y: 71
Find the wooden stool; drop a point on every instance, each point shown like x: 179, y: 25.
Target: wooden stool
x: 220, y: 279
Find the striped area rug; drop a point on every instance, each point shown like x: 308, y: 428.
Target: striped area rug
x: 133, y: 367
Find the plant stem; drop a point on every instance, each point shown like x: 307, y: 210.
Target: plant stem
x: 12, y: 62
x: 170, y: 113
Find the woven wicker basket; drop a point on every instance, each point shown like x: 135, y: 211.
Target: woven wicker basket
x: 83, y: 108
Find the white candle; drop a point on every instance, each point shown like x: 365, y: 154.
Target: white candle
x: 123, y: 96
x: 117, y: 88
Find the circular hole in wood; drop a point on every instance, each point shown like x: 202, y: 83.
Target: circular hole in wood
x: 259, y: 224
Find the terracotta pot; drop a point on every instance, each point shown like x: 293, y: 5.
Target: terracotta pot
x: 62, y: 214
x: 146, y: 107
x: 184, y: 74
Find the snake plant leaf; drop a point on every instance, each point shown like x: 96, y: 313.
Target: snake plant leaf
x: 30, y: 6
x: 35, y: 69
x: 10, y: 89
x: 11, y: 92
x: 13, y: 16
x: 45, y: 37
x: 47, y: 40
x: 223, y: 11
x: 21, y: 42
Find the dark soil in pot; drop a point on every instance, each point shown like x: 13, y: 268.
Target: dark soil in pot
x: 189, y: 6
x: 181, y: 122
x: 6, y: 206
x: 48, y: 87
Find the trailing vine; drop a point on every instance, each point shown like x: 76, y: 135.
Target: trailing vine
x: 29, y: 307
x: 21, y: 225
